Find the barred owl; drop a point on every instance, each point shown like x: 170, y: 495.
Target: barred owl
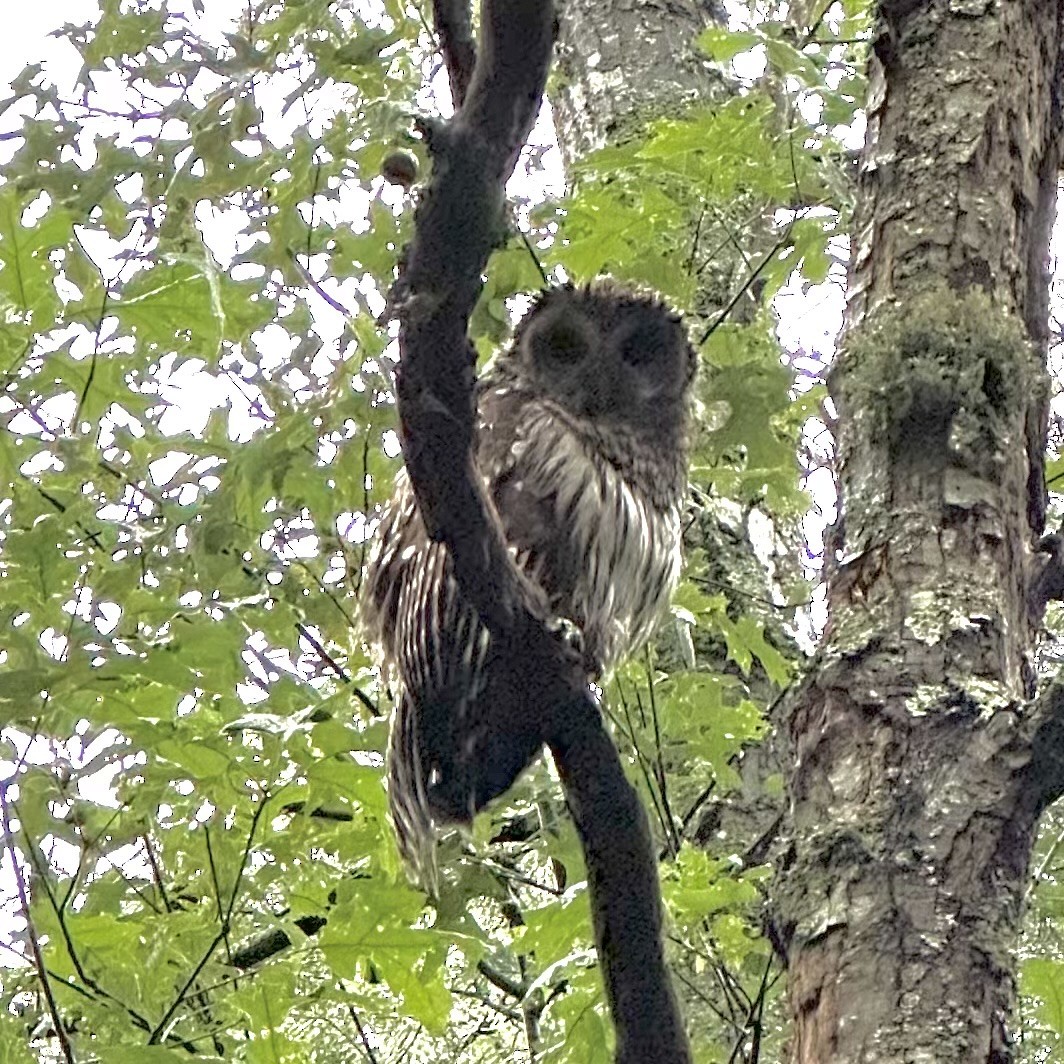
x: 581, y: 433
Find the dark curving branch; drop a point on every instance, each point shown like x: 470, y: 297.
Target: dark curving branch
x: 458, y: 222
x: 454, y: 30
x: 623, y: 878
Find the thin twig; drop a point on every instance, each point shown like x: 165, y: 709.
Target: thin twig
x: 160, y: 1027
x: 227, y: 917
x: 513, y: 1015
x: 535, y: 257
x: 642, y: 761
x: 324, y: 656
x: 753, y: 1017
x: 745, y: 286
x: 156, y: 872
x: 216, y: 885
x: 31, y: 931
x: 371, y: 1056
x: 255, y: 818
x: 669, y: 822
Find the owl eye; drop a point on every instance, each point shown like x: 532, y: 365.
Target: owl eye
x: 646, y: 344
x: 563, y: 342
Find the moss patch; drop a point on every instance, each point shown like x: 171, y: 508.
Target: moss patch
x: 942, y: 375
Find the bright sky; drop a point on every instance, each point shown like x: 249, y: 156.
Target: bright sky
x: 26, y: 30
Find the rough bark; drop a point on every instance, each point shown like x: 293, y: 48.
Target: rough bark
x: 919, y: 767
x: 623, y: 62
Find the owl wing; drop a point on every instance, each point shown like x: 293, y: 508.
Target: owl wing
x: 604, y: 556
x: 413, y: 605
x: 455, y: 745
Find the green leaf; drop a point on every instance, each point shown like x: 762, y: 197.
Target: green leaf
x: 724, y: 45
x: 550, y: 930
x: 1043, y: 978
x: 193, y: 757
x: 374, y: 924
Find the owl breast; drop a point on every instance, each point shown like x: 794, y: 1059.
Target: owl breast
x: 605, y: 546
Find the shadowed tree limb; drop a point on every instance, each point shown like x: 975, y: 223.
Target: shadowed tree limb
x: 1043, y: 737
x: 454, y: 29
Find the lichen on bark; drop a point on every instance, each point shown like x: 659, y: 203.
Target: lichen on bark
x: 943, y: 374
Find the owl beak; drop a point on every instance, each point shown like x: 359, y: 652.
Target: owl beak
x: 598, y: 397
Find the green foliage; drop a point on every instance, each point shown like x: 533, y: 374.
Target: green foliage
x: 195, y: 404
x: 1041, y: 987
x: 1043, y: 979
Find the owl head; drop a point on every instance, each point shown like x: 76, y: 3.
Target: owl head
x: 606, y: 353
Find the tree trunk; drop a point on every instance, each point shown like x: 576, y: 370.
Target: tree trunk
x: 915, y: 792
x: 622, y: 62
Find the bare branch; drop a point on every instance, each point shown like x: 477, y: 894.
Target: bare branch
x: 363, y: 1037
x: 31, y: 931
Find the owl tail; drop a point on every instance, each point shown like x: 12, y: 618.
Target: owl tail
x: 444, y: 775
x: 408, y: 794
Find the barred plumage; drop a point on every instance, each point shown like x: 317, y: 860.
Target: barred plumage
x: 581, y: 443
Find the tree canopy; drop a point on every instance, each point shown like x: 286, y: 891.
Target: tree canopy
x: 196, y: 249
